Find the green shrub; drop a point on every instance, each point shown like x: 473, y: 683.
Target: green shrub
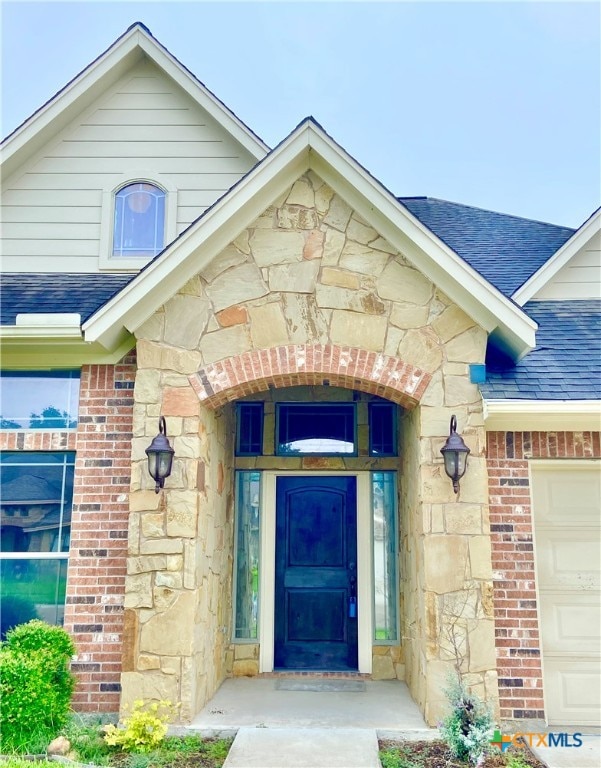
x: 144, y: 729
x: 469, y: 727
x: 36, y: 635
x: 35, y: 686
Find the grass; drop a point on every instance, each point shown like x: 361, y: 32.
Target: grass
x: 88, y: 746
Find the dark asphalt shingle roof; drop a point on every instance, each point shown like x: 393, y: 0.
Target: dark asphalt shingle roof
x: 566, y: 363
x: 55, y: 292
x: 504, y: 249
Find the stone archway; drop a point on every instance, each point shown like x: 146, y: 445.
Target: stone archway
x: 294, y: 364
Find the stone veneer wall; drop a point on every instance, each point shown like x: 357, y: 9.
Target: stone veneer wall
x: 178, y: 590
x: 445, y: 563
x: 515, y: 595
x: 308, y: 275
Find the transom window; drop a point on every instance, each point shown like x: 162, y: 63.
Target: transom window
x: 318, y: 428
x: 44, y: 400
x: 139, y: 220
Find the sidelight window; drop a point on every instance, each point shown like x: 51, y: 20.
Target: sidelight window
x: 385, y: 557
x: 246, y: 608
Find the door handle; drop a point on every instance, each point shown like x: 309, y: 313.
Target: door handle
x: 352, y: 605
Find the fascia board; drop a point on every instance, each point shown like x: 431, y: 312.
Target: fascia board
x: 21, y: 333
x: 463, y: 284
x: 560, y: 258
x: 198, y: 245
x: 542, y: 415
x: 33, y: 353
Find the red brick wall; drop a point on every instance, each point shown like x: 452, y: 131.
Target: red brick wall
x: 97, y: 560
x: 516, y: 610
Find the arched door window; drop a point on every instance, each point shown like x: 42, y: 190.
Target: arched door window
x: 139, y: 220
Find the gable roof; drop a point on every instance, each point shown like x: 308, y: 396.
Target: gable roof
x: 506, y: 250
x: 309, y: 147
x: 551, y: 267
x: 136, y: 43
x: 566, y: 362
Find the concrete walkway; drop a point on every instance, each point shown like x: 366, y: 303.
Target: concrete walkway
x: 319, y: 722
x: 586, y: 756
x: 304, y: 748
x: 306, y: 722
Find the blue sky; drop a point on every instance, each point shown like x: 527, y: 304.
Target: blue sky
x: 490, y: 104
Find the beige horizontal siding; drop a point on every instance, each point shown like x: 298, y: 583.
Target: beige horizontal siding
x: 144, y: 127
x: 186, y: 165
x: 50, y: 214
x: 580, y: 278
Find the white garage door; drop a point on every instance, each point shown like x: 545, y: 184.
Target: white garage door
x: 567, y: 527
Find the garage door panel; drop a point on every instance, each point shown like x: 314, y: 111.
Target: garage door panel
x: 572, y: 691
x: 568, y: 558
x: 566, y: 502
x: 575, y: 492
x: 570, y: 625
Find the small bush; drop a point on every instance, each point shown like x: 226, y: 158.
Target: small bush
x: 144, y: 729
x: 469, y: 727
x: 36, y: 636
x: 35, y: 686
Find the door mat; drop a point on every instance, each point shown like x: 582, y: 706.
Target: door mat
x: 321, y: 686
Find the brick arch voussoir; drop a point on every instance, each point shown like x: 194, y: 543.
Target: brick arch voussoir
x: 310, y: 364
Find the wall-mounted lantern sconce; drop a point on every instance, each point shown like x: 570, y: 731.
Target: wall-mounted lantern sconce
x: 160, y: 456
x: 455, y: 453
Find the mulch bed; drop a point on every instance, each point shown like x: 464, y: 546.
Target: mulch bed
x: 435, y: 754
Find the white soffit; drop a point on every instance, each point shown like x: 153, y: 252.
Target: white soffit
x: 80, y: 92
x: 542, y: 415
x: 310, y: 147
x: 567, y: 251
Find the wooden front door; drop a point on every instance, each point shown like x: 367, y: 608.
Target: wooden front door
x: 316, y: 573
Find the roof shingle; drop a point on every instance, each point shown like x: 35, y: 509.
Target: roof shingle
x: 55, y: 292
x: 566, y: 363
x: 504, y: 249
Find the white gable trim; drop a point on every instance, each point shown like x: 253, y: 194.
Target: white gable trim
x: 80, y: 92
x: 542, y: 415
x: 561, y: 257
x: 309, y: 147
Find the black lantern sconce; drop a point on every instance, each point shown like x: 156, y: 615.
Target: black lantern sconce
x: 455, y: 453
x: 160, y: 456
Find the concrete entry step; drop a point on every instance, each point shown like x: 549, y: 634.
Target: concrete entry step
x: 302, y: 702
x: 304, y: 748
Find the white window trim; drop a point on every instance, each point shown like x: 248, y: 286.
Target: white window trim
x: 267, y: 567
x: 106, y: 260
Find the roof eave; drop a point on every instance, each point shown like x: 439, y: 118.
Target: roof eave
x: 37, y: 349
x: 542, y: 415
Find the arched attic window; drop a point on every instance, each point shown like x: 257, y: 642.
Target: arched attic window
x: 139, y: 229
